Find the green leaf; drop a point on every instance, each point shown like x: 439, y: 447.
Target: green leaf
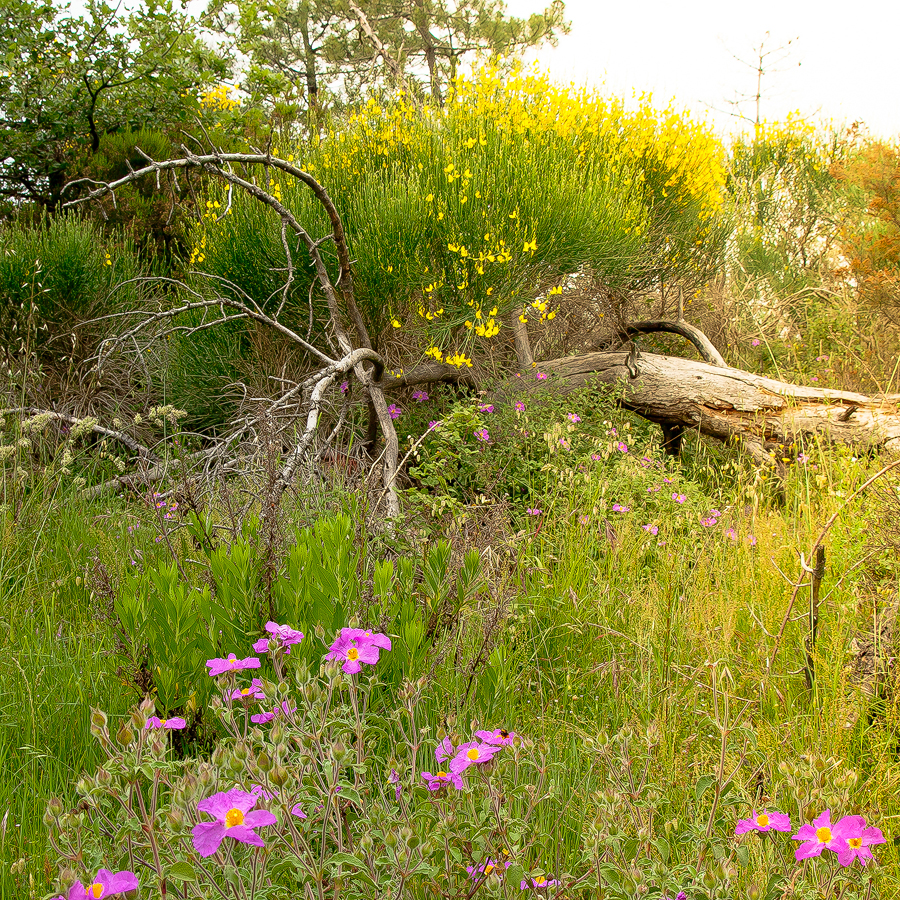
x: 704, y: 783
x: 742, y: 852
x: 182, y: 871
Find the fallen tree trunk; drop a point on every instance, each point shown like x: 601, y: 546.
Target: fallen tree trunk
x: 726, y: 403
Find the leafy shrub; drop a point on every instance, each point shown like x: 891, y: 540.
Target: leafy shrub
x: 57, y: 276
x: 173, y: 624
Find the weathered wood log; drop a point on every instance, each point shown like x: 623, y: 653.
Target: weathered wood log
x: 726, y: 403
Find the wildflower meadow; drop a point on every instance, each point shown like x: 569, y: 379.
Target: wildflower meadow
x: 357, y: 539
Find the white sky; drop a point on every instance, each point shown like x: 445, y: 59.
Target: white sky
x: 843, y: 64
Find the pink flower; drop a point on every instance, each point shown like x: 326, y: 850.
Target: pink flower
x: 482, y: 435
x: 583, y: 520
x: 654, y: 489
x: 752, y: 540
x: 859, y: 841
x: 731, y: 533
x: 617, y: 507
x: 814, y: 378
x: 574, y: 418
x: 534, y: 511
x: 433, y: 424
x: 282, y: 636
x: 419, y: 396
x: 564, y: 444
x: 596, y: 457
x: 622, y: 447
x: 356, y: 646
x: 755, y: 342
x: 498, y: 738
x: 472, y: 754
x: 709, y: 522
x: 285, y: 709
x: 668, y: 480
x: 486, y: 868
x: 231, y: 664
x: 764, y: 821
x: 394, y: 779
x: 296, y: 811
x: 541, y: 376
x: 520, y: 406
x: 394, y: 411
x: 253, y: 692
x: 444, y: 750
x: 234, y: 818
x: 441, y: 779
x: 822, y: 835
x: 651, y: 529
x: 259, y: 791
x: 106, y: 884
x: 537, y: 883
x: 176, y: 723
x: 486, y: 408
x: 679, y: 498
x: 345, y: 386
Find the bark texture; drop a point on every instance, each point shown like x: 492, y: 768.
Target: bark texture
x: 727, y: 403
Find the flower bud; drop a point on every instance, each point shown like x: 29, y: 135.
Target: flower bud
x: 279, y: 776
x: 176, y: 818
x: 104, y: 779
x: 125, y: 735
x: 264, y: 761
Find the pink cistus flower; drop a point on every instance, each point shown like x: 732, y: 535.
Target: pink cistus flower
x: 622, y: 447
x: 444, y: 750
x: 617, y: 507
x: 298, y: 812
x: 394, y: 411
x: 472, y: 754
x: 709, y: 522
x: 235, y: 818
x: 285, y: 709
x: 482, y: 435
x: 583, y: 520
x: 541, y: 376
x: 486, y: 408
x: 419, y: 396
x: 433, y: 424
x: 533, y: 511
x: 764, y: 821
x: 537, y: 883
x: 574, y: 418
x: 858, y: 843
x: 732, y: 534
x: 651, y: 529
x: 520, y: 406
x: 253, y: 692
x: 106, y: 884
x: 282, y: 635
x: 596, y: 457
x: 441, y: 779
x: 231, y: 664
x: 394, y: 779
x: 822, y: 835
x: 755, y: 342
x: 500, y: 737
x: 654, y: 489
x: 176, y: 723
x: 485, y: 869
x: 679, y: 498
x: 356, y: 646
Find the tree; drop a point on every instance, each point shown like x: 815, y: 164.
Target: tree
x: 67, y: 81
x: 313, y: 52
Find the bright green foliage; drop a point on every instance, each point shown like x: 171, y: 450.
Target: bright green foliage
x: 66, y: 81
x: 175, y: 624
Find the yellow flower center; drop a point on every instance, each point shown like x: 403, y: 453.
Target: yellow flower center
x: 855, y: 843
x: 823, y: 835
x: 353, y: 654
x: 95, y: 890
x: 488, y: 869
x: 473, y: 754
x: 234, y: 817
x: 441, y: 775
x: 245, y: 691
x: 539, y: 880
x: 762, y: 820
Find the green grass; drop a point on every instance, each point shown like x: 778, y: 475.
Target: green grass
x: 641, y: 631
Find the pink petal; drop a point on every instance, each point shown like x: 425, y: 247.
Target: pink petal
x: 78, y: 891
x: 848, y: 827
x: 245, y: 835
x: 207, y: 837
x: 369, y: 653
x: 259, y: 818
x: 745, y: 825
x: 809, y: 849
x: 118, y: 883
x: 297, y: 811
x: 872, y: 835
x: 219, y: 804
x: 806, y: 833
x: 351, y: 666
x: 780, y: 821
x: 262, y: 645
x: 824, y: 821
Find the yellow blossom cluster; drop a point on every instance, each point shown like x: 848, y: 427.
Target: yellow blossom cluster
x: 220, y: 98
